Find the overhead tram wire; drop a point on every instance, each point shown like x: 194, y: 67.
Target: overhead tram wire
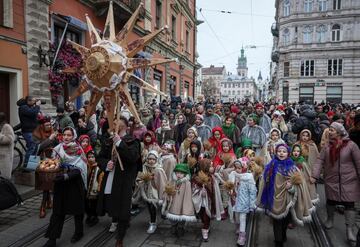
x: 212, y: 30
x: 235, y: 12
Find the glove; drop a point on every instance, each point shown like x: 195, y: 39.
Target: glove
x: 59, y: 178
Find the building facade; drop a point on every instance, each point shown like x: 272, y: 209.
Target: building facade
x: 239, y: 87
x: 316, y: 52
x: 28, y: 28
x: 211, y: 78
x: 263, y: 88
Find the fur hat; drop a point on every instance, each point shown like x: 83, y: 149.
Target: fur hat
x: 259, y: 106
x: 182, y: 167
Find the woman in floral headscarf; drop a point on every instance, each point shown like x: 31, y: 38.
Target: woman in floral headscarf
x: 184, y: 150
x: 254, y: 132
x: 69, y: 188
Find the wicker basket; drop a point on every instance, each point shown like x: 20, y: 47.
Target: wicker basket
x: 44, y: 179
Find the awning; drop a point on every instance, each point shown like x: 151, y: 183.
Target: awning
x: 73, y: 21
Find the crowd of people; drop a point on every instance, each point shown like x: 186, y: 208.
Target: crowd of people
x: 192, y: 162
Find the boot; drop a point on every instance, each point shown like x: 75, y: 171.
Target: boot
x: 49, y: 204
x: 42, y: 213
x: 330, y: 210
x: 50, y: 243
x: 242, y: 239
x: 76, y: 237
x: 350, y: 222
x: 205, y: 234
x: 152, y: 228
x: 119, y: 243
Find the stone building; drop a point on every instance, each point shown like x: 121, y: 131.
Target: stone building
x: 316, y: 52
x: 211, y: 78
x: 234, y: 88
x: 27, y: 26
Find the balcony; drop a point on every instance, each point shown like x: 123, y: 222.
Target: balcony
x: 275, y: 29
x: 275, y: 56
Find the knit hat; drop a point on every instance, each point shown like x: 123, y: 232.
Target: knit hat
x: 194, y: 130
x: 43, y: 119
x: 209, y: 106
x: 330, y: 114
x: 246, y: 143
x: 182, y: 167
x: 259, y: 106
x: 234, y: 109
x: 153, y: 153
x: 339, y: 128
x: 254, y: 117
x: 60, y: 109
x: 199, y: 116
x: 280, y: 108
x: 188, y: 106
x: 282, y: 145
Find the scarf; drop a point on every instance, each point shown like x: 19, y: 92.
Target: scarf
x: 229, y: 130
x: 156, y: 123
x: 275, y: 166
x: 335, y: 149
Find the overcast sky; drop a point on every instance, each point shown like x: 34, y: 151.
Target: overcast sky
x: 234, y: 30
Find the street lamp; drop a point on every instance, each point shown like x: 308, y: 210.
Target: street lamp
x: 45, y: 57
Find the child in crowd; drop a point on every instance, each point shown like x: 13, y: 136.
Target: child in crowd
x: 268, y: 151
x: 226, y: 154
x: 303, y: 166
x: 203, y: 195
x: 178, y: 206
x: 149, y: 143
x: 191, y: 135
x: 168, y: 158
x: 84, y: 141
x: 194, y: 156
x: 283, y: 194
x: 308, y: 147
x: 152, y: 183
x: 244, y: 195
x: 95, y: 177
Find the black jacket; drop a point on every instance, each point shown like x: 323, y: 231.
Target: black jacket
x: 28, y: 117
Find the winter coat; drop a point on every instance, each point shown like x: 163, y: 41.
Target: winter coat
x: 168, y: 164
x: 342, y: 181
x: 212, y: 120
x: 65, y: 121
x: 256, y: 134
x: 354, y: 135
x: 245, y: 189
x: 265, y: 123
x: 204, y: 132
x: 7, y: 138
x: 28, y: 117
x: 164, y: 135
x: 122, y: 185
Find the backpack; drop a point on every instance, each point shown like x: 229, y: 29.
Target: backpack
x: 9, y: 195
x: 317, y: 131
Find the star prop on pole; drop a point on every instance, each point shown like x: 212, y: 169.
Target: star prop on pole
x: 109, y: 64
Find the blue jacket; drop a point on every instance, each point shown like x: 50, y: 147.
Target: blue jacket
x: 28, y: 117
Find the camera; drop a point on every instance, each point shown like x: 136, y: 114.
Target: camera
x: 43, y: 102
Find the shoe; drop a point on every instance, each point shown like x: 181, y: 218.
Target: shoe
x: 119, y: 243
x: 76, y: 237
x: 113, y: 227
x: 291, y: 226
x: 242, y: 239
x: 49, y: 203
x: 350, y: 216
x: 330, y: 210
x: 50, y: 243
x: 93, y: 221
x: 134, y: 211
x: 42, y: 213
x: 205, y: 234
x: 152, y: 228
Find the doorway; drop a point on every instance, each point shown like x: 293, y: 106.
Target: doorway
x: 5, y: 94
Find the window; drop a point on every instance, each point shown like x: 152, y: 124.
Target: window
x: 322, y: 5
x: 286, y: 69
x: 286, y: 92
x: 306, y: 94
x: 286, y: 7
x: 6, y: 13
x: 334, y: 94
x: 286, y: 37
x: 336, y: 4
x: 173, y: 28
x: 70, y: 34
x: 172, y: 85
x: 187, y: 41
x: 307, y: 34
x: 321, y: 33
x: 335, y: 67
x: 335, y: 33
x: 158, y: 14
x: 308, y: 6
x: 307, y: 68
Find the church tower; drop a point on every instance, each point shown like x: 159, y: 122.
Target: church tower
x: 242, y: 68
x: 260, y: 77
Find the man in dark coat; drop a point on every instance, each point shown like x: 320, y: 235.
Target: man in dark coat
x: 117, y: 184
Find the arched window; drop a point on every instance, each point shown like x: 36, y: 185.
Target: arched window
x: 307, y: 34
x: 286, y: 36
x: 335, y: 33
x: 286, y: 7
x: 321, y: 33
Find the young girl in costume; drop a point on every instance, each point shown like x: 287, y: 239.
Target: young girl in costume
x: 149, y: 143
x: 215, y: 140
x: 192, y: 159
x: 268, y: 151
x: 178, y: 206
x: 300, y: 162
x: 203, y: 195
x: 95, y: 176
x: 283, y: 194
x: 245, y: 196
x: 152, y: 183
x: 168, y: 158
x: 226, y: 154
x: 184, y: 149
x: 308, y: 147
x: 84, y: 141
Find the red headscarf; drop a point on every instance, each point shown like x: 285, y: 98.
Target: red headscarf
x: 216, y: 143
x: 153, y: 138
x: 89, y: 147
x: 217, y: 160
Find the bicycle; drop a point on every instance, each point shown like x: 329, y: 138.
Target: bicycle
x: 19, y: 151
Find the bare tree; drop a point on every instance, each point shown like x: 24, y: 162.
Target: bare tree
x: 209, y: 88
